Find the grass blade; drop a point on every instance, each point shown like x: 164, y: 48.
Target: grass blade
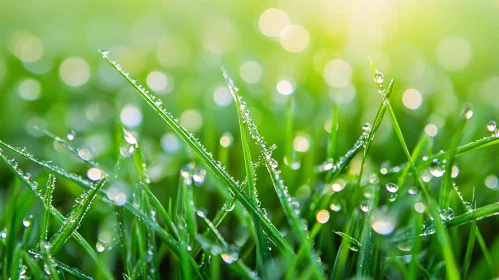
x: 263, y: 254
x: 445, y: 187
x: 205, y: 157
x: 288, y: 203
x: 442, y: 235
x: 73, y: 221
x: 47, y: 201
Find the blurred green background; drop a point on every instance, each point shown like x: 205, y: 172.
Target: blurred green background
x: 441, y: 55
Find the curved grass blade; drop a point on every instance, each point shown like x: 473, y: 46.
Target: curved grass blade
x: 442, y: 235
x: 263, y: 254
x: 33, y: 186
x: 73, y: 221
x: 288, y: 203
x: 70, y: 270
x: 205, y: 157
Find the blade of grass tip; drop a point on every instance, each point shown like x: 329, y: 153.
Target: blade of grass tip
x: 69, y: 147
x: 33, y: 186
x: 445, y: 186
x: 162, y: 212
x: 74, y: 218
x: 263, y: 253
x: 229, y: 257
x: 36, y: 272
x: 442, y: 235
x: 470, y: 245
x: 47, y: 201
x: 288, y: 203
x: 205, y: 156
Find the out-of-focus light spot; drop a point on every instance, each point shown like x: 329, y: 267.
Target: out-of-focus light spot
x: 454, y: 53
x: 226, y: 140
x: 117, y: 193
x: 286, y: 86
x: 343, y: 95
x: 74, y: 71
x: 273, y: 21
x: 419, y: 207
x: 191, y: 120
x: 173, y: 52
x: 431, y: 130
x: 157, y: 81
x: 412, y: 99
x: 338, y: 73
x: 85, y: 154
x: 491, y: 181
x: 251, y: 72
x: 131, y: 116
x: 29, y: 89
x: 94, y: 174
x: 322, y: 216
x: 222, y: 96
x: 301, y: 143
x: 26, y: 46
x: 382, y: 223
x: 294, y: 38
x: 169, y: 142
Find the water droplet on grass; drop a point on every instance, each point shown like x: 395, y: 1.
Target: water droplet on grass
x: 491, y: 126
x: 365, y: 206
x: 95, y: 174
x: 28, y: 220
x: 392, y: 187
x: 335, y: 206
x: 129, y: 137
x: 447, y: 214
x: 127, y: 150
x: 437, y: 168
x: 379, y: 78
x: 71, y: 135
x: 413, y: 190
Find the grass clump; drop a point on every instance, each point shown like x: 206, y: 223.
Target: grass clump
x: 386, y: 224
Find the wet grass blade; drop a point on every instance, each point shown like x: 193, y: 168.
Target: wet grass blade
x: 366, y: 238
x: 47, y: 201
x: 74, y: 218
x: 33, y: 186
x: 441, y: 232
x: 263, y: 253
x: 68, y: 146
x: 445, y: 188
x: 205, y: 157
x: 416, y: 153
x: 288, y: 203
x: 32, y: 265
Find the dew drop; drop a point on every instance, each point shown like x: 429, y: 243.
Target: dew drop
x: 413, y: 190
x: 379, y: 78
x: 71, y: 135
x: 127, y: 150
x: 468, y: 206
x: 367, y: 127
x: 104, y: 53
x: 447, y: 214
x: 392, y: 187
x: 437, y: 168
x: 229, y: 207
x: 491, y: 126
x: 365, y: 206
x: 100, y: 247
x: 3, y: 233
x: 27, y: 221
x: 198, y: 176
x: 95, y: 174
x: 129, y: 137
x: 335, y: 206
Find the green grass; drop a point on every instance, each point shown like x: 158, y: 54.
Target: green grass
x: 377, y: 233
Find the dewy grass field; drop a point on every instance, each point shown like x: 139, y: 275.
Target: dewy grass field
x: 240, y: 141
